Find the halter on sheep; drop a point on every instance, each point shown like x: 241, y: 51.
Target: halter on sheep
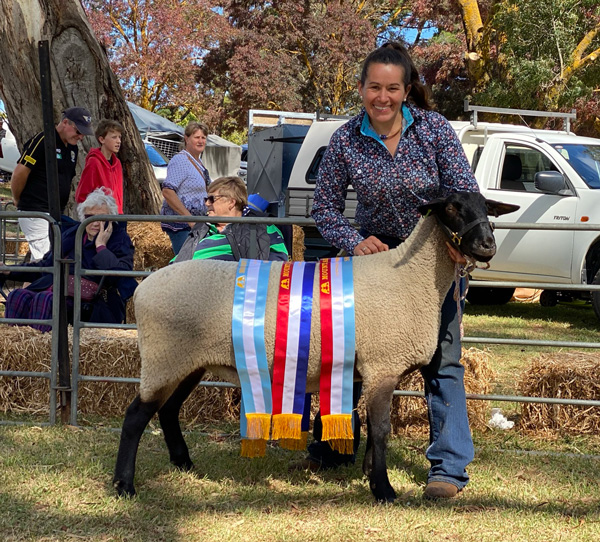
x: 183, y: 314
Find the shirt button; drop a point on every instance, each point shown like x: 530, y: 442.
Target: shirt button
x: 359, y: 172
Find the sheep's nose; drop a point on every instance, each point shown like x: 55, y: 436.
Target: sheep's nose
x: 488, y: 243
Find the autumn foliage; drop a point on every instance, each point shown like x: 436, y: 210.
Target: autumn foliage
x: 215, y: 59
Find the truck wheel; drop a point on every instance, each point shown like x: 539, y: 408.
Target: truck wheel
x: 596, y: 295
x: 548, y: 298
x: 480, y: 295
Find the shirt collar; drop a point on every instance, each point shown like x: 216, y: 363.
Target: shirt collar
x: 367, y: 130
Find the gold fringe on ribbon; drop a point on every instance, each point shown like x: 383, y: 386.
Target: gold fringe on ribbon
x: 295, y: 443
x: 253, y: 447
x: 337, y: 426
x: 287, y: 426
x: 344, y: 446
x: 258, y: 425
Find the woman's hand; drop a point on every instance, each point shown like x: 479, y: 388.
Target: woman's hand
x: 456, y: 255
x: 104, y: 234
x: 370, y: 245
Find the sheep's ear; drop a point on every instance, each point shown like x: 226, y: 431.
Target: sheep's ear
x: 431, y: 206
x: 497, y: 208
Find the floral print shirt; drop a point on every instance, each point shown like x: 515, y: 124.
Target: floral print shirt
x: 429, y: 163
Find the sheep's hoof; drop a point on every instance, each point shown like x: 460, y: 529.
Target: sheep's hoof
x: 124, y: 489
x: 384, y: 493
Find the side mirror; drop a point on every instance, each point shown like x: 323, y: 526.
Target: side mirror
x: 550, y: 182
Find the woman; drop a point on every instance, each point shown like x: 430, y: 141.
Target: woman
x: 227, y: 196
x: 184, y: 189
x: 397, y: 154
x: 106, y: 246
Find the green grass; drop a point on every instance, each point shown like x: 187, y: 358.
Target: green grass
x: 55, y: 483
x: 56, y: 486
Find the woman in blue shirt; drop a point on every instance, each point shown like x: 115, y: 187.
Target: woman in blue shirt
x: 184, y: 189
x: 397, y: 154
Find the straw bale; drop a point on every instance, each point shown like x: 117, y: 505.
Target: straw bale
x: 152, y: 245
x: 527, y: 295
x: 106, y: 352
x: 409, y: 414
x: 103, y: 352
x: 566, y: 375
x: 298, y: 247
x: 10, y: 247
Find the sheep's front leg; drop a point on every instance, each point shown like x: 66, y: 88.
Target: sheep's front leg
x: 378, y: 399
x: 169, y: 421
x: 136, y: 419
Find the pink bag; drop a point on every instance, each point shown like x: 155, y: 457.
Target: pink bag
x: 88, y: 288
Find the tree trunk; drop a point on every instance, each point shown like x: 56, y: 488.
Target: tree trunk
x: 81, y: 76
x: 578, y: 62
x: 475, y: 55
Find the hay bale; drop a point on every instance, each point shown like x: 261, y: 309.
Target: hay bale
x: 10, y: 246
x: 526, y: 295
x: 409, y: 414
x: 103, y: 352
x: 298, y: 247
x: 566, y: 375
x: 152, y: 246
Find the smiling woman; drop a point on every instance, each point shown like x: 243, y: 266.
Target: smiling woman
x: 397, y: 154
x: 227, y: 196
x: 184, y: 189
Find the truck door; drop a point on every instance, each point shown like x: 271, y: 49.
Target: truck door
x: 536, y: 255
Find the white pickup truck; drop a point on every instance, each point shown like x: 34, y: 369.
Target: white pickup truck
x: 554, y: 176
x: 9, y: 154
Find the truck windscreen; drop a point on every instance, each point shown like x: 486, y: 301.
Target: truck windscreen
x: 585, y: 159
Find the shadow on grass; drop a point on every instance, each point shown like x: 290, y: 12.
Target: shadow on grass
x: 82, y: 462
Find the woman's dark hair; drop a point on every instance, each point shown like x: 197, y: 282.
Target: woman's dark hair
x: 395, y: 53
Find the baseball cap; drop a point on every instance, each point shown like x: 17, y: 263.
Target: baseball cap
x: 82, y: 119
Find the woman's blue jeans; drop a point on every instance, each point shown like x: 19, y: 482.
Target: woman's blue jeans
x: 450, y: 444
x: 177, y: 239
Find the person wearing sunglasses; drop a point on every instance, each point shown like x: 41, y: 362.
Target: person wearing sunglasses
x: 29, y: 182
x: 184, y: 189
x: 228, y: 197
x: 105, y: 246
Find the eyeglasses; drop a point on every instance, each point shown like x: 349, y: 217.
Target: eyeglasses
x: 89, y: 216
x: 211, y: 199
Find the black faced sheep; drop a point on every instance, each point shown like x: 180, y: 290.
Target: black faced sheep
x: 184, y: 311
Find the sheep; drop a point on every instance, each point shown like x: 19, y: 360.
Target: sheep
x: 183, y: 315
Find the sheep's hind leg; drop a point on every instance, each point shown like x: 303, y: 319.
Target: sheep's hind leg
x: 378, y: 400
x: 169, y: 421
x: 136, y: 419
x: 368, y: 460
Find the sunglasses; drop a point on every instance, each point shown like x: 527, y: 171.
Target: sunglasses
x: 211, y: 199
x: 75, y: 126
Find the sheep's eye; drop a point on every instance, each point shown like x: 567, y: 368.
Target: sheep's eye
x: 451, y: 210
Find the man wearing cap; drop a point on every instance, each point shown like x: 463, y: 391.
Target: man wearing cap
x: 29, y: 182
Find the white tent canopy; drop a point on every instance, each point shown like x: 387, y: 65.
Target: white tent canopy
x: 221, y: 157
